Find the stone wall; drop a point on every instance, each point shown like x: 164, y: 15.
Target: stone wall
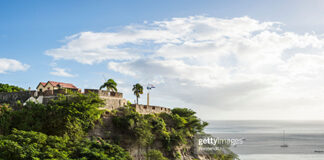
x: 86, y: 91
x: 116, y: 94
x: 104, y: 93
x: 47, y: 99
x: 13, y: 97
x: 113, y: 102
x: 144, y: 109
x: 52, y: 92
x: 23, y: 96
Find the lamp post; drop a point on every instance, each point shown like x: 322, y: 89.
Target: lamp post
x: 148, y: 98
x: 149, y: 87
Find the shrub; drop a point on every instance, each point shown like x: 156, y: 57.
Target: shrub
x: 71, y: 115
x: 25, y: 145
x: 155, y: 155
x: 10, y: 88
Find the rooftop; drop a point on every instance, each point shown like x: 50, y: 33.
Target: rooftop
x: 60, y: 84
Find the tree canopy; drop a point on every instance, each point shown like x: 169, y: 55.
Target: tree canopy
x: 10, y: 88
x: 71, y: 115
x: 155, y: 155
x: 138, y: 90
x: 110, y: 85
x: 25, y: 145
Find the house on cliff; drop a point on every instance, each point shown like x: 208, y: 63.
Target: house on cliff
x: 52, y: 85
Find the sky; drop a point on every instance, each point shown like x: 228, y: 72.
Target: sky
x: 227, y: 60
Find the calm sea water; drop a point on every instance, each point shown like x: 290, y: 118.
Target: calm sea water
x: 262, y: 139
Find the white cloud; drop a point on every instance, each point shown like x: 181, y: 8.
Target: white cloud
x: 220, y: 65
x: 89, y: 48
x: 11, y: 65
x: 61, y: 72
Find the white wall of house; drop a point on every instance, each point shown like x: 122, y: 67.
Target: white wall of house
x: 40, y: 87
x: 48, y: 86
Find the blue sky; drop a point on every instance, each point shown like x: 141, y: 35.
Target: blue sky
x: 32, y: 32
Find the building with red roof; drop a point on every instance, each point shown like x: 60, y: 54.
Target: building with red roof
x: 52, y: 85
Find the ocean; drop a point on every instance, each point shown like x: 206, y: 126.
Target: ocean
x: 263, y: 140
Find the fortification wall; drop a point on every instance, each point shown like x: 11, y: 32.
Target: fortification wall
x: 23, y: 96
x: 52, y: 92
x: 144, y: 109
x: 13, y: 97
x: 113, y: 103
x: 104, y: 93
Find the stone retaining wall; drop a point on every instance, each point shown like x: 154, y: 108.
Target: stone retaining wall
x: 144, y: 109
x: 13, y: 97
x: 113, y: 103
x: 104, y: 93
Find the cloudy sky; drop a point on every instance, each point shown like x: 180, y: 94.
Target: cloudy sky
x: 225, y: 60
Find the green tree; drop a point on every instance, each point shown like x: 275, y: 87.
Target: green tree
x: 27, y: 145
x: 110, y: 85
x: 5, y: 117
x: 219, y: 155
x: 71, y: 115
x: 133, y: 126
x: 155, y: 155
x: 10, y: 88
x: 138, y: 90
x: 99, y: 149
x: 23, y: 145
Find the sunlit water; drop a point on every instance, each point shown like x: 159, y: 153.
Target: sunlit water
x: 263, y: 139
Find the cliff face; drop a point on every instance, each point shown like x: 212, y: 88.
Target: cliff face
x: 106, y: 130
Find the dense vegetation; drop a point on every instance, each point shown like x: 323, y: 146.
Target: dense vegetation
x: 68, y: 115
x: 155, y: 155
x: 36, y: 145
x: 55, y: 131
x: 9, y: 88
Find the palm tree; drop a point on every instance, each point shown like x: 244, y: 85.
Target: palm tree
x: 111, y: 85
x: 138, y: 90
